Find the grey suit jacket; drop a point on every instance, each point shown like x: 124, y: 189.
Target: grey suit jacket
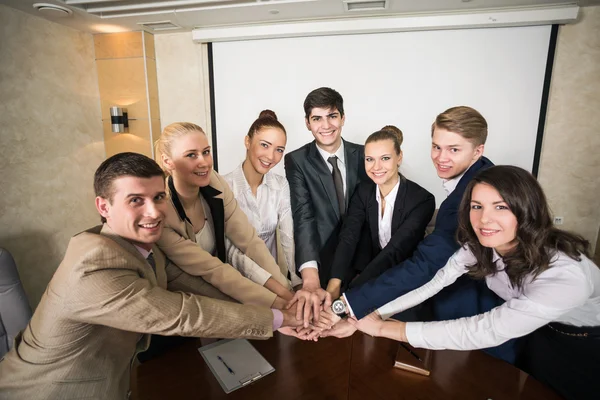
x: 315, y: 210
x: 96, y: 314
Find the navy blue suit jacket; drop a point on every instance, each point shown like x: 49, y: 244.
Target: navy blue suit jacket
x: 431, y: 254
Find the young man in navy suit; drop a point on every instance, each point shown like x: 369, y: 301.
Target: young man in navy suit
x: 322, y: 176
x: 458, y: 138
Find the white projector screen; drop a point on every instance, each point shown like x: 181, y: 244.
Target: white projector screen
x: 404, y: 79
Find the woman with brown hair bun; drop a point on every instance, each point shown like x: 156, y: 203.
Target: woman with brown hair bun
x: 263, y: 195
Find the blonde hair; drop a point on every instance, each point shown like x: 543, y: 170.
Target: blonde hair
x: 465, y: 121
x: 169, y: 134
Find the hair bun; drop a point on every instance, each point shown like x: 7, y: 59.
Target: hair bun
x: 267, y: 114
x: 395, y: 131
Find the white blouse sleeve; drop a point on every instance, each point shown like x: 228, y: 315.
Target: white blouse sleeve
x: 286, y: 230
x: 553, y: 293
x: 245, y: 264
x: 454, y: 268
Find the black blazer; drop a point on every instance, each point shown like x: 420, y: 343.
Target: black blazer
x: 413, y: 210
x: 314, y: 202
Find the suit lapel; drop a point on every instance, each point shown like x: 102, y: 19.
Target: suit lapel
x: 399, y: 205
x: 218, y: 215
x: 324, y: 175
x: 373, y: 216
x: 352, y: 166
x: 130, y: 248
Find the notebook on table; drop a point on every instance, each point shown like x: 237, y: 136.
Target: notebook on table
x: 235, y: 363
x: 414, y: 360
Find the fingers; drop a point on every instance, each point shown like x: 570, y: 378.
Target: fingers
x: 293, y: 301
x: 327, y: 301
x: 316, y: 308
x: 300, y: 307
x: 307, y: 311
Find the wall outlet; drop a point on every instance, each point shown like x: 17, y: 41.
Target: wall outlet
x: 558, y: 220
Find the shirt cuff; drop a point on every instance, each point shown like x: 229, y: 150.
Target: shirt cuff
x: 348, y: 305
x: 309, y: 264
x: 387, y: 310
x: 277, y: 319
x: 414, y: 334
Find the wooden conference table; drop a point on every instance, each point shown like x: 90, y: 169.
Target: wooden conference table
x: 356, y: 368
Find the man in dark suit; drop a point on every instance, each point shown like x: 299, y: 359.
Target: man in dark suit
x: 458, y: 140
x: 322, y: 176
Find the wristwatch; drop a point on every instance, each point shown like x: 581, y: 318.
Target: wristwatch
x: 339, y: 308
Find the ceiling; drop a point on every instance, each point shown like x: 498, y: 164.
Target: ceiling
x: 96, y: 16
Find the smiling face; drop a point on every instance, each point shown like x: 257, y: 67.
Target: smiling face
x: 265, y: 148
x: 493, y: 222
x: 190, y: 161
x: 382, y: 162
x: 326, y: 126
x: 452, y: 154
x: 136, y: 210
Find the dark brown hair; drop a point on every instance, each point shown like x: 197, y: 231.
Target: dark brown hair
x: 266, y: 119
x: 388, y: 132
x: 119, y: 165
x: 323, y: 97
x: 465, y: 121
x: 538, y: 240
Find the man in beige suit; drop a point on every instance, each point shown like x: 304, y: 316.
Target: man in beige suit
x: 109, y: 293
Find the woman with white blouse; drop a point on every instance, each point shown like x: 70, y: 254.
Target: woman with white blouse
x: 263, y: 195
x: 386, y: 218
x: 551, y: 287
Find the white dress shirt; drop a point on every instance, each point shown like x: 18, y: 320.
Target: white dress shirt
x: 450, y: 184
x: 568, y: 292
x: 341, y: 162
x: 385, y: 220
x: 270, y: 209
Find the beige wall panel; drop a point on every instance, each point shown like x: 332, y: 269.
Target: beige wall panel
x: 156, y: 131
x: 136, y: 140
x: 181, y: 79
x: 149, y: 45
x: 570, y: 161
x: 50, y: 142
x: 152, y: 88
x: 118, y: 45
x: 122, y: 82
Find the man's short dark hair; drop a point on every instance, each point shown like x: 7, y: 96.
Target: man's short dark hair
x: 123, y: 164
x: 323, y: 98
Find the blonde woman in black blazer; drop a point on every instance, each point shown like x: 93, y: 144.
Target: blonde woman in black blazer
x: 371, y: 241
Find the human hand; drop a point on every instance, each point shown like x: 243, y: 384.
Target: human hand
x: 340, y: 330
x: 310, y: 301
x: 289, y: 331
x: 289, y: 319
x: 327, y: 319
x: 371, y: 324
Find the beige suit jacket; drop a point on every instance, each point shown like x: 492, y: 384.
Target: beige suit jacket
x: 97, y: 313
x: 178, y: 242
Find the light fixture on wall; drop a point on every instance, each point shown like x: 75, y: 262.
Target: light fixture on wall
x: 118, y: 119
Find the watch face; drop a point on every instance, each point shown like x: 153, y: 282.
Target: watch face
x: 338, y: 307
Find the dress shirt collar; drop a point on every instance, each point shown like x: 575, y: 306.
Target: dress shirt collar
x: 340, y: 153
x: 450, y: 184
x: 391, y: 196
x: 240, y: 179
x: 145, y: 253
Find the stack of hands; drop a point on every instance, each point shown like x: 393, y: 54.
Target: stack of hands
x: 314, y: 318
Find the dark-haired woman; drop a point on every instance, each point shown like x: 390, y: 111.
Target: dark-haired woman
x: 263, y: 195
x: 551, y: 287
x: 389, y: 209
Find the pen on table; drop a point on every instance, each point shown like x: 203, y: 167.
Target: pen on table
x: 410, y: 351
x: 226, y: 366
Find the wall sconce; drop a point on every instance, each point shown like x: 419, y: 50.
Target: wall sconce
x: 118, y: 120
